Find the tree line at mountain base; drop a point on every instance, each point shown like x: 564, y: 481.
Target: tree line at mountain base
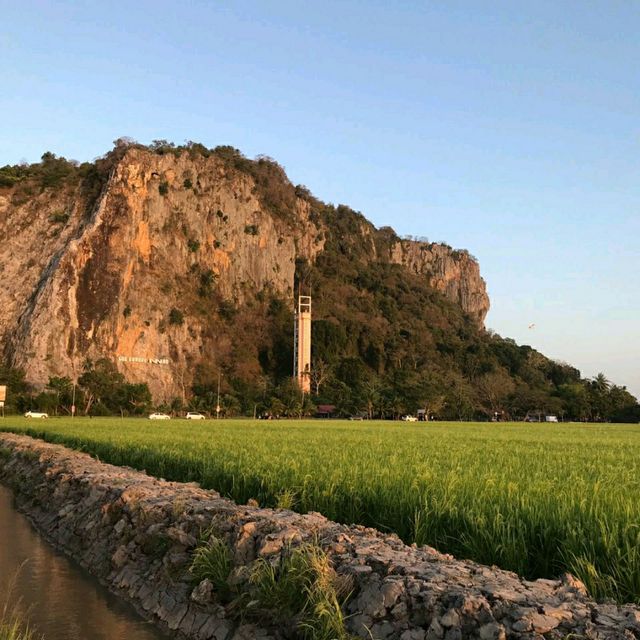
x: 102, y: 390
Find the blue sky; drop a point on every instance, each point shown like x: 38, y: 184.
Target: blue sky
x: 511, y: 129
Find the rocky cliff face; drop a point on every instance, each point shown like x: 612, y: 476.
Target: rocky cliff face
x: 129, y: 274
x: 454, y: 273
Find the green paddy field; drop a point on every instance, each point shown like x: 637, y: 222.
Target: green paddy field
x: 535, y: 499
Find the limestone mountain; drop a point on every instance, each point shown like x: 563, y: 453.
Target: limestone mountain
x: 89, y: 275
x: 176, y: 263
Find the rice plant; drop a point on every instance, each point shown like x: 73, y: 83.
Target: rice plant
x: 535, y: 499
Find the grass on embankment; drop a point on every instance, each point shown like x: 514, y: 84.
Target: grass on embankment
x: 535, y: 499
x: 301, y: 590
x: 14, y: 631
x: 12, y: 623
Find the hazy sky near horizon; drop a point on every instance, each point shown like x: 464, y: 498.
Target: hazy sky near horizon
x: 510, y: 129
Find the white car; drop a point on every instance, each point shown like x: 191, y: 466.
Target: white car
x: 159, y: 416
x: 194, y: 415
x: 35, y: 414
x: 409, y: 418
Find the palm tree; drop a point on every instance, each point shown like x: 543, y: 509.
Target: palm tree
x: 600, y: 388
x: 601, y: 384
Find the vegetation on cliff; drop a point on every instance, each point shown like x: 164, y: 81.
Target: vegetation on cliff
x: 386, y: 341
x: 387, y: 344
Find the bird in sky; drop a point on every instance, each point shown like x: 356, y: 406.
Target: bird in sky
x: 532, y: 325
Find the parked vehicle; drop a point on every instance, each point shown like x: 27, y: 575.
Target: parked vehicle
x: 35, y: 414
x: 194, y: 415
x: 159, y: 416
x: 540, y: 416
x: 409, y: 418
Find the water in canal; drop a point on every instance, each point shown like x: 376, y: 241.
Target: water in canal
x: 62, y: 601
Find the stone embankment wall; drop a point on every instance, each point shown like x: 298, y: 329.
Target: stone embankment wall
x: 137, y: 534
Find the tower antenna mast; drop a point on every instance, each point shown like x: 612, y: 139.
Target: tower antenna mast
x: 302, y: 343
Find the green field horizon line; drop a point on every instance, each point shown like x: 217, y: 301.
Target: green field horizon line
x: 538, y: 499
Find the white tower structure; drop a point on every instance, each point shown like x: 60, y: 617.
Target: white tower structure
x: 302, y: 344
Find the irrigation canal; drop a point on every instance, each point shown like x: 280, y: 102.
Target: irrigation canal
x: 60, y: 599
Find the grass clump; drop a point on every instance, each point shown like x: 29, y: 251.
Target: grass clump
x: 300, y: 589
x: 14, y: 631
x: 12, y: 623
x: 212, y: 561
x: 304, y: 588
